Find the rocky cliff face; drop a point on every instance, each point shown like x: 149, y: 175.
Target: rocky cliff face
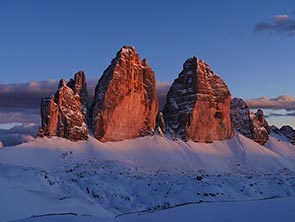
x: 125, y: 103
x: 62, y: 114
x: 198, y: 104
x: 251, y: 125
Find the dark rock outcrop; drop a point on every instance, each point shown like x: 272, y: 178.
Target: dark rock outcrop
x: 287, y: 131
x: 125, y: 103
x: 259, y: 127
x: 260, y: 116
x: 198, y: 104
x: 240, y: 115
x: 161, y: 123
x: 251, y: 125
x: 62, y: 114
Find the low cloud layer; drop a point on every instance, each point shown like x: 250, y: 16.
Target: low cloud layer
x: 274, y: 114
x: 282, y: 24
x: 282, y: 102
x: 25, y: 95
x: 18, y: 134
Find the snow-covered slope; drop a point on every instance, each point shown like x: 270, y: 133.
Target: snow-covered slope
x: 144, y: 174
x: 157, y: 153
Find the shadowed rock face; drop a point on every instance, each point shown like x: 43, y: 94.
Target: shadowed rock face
x: 251, y: 125
x: 62, y: 114
x: 198, y: 104
x: 125, y: 103
x: 286, y: 131
x: 240, y: 115
x: 289, y: 133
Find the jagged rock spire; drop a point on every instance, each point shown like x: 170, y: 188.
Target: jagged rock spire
x: 62, y: 114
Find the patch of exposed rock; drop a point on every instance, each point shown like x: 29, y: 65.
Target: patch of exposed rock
x: 287, y: 131
x: 240, y: 115
x: 198, y: 104
x: 62, y: 114
x: 251, y: 125
x: 125, y: 103
x: 161, y: 125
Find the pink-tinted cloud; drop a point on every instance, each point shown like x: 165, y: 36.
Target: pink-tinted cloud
x: 283, y: 24
x: 25, y: 95
x: 282, y: 102
x: 18, y: 134
x: 19, y: 115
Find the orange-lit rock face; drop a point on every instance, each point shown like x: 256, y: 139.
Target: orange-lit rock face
x: 62, y: 115
x: 198, y: 104
x: 49, y: 116
x: 125, y: 103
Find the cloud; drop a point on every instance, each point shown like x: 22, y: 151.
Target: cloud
x: 282, y: 24
x: 19, y: 115
x: 282, y: 102
x: 25, y: 95
x: 18, y: 134
x: 274, y: 114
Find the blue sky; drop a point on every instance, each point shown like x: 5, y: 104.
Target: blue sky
x: 43, y: 40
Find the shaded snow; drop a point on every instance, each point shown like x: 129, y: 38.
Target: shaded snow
x: 271, y: 210
x: 254, y: 211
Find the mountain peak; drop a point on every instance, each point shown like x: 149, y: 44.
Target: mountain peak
x: 198, y: 104
x: 61, y: 83
x: 127, y: 52
x: 125, y: 104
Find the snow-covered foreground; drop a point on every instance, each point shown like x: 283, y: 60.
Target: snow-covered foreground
x: 254, y: 211
x: 102, y: 180
x: 271, y: 210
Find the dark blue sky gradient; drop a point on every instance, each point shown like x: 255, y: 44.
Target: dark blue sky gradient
x: 42, y: 40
